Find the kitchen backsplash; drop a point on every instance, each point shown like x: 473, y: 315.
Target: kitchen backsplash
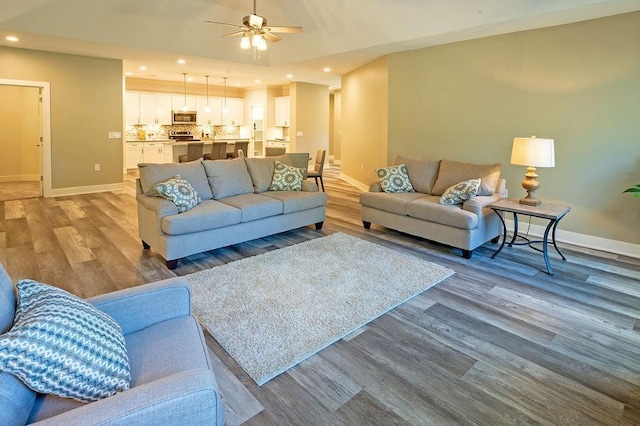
x: 157, y: 132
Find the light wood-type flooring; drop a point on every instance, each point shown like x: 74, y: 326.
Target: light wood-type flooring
x: 498, y: 343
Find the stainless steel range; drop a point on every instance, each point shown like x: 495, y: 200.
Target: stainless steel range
x: 182, y: 135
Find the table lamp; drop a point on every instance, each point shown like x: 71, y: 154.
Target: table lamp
x: 532, y: 152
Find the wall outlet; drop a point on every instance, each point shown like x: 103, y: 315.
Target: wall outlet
x: 115, y: 135
x: 362, y: 167
x: 96, y: 167
x: 299, y: 134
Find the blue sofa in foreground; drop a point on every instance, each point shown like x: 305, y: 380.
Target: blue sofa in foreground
x: 172, y: 379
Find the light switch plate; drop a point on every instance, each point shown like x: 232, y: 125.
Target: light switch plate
x: 299, y: 134
x: 115, y: 135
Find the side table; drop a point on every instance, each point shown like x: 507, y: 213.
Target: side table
x: 552, y: 212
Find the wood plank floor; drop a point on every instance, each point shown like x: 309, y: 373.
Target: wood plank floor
x: 500, y: 342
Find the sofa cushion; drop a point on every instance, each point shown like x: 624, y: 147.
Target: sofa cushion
x: 286, y: 178
x: 63, y: 345
x: 295, y: 201
x: 209, y: 214
x: 228, y: 177
x: 393, y: 203
x: 422, y: 173
x: 180, y: 192
x: 453, y: 172
x: 261, y: 170
x: 16, y: 400
x: 394, y: 179
x: 152, y: 174
x: 7, y: 300
x: 428, y: 208
x: 460, y: 192
x: 254, y: 206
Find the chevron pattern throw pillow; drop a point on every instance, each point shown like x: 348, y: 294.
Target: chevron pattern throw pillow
x: 62, y: 345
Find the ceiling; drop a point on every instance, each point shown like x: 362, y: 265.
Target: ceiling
x: 339, y: 34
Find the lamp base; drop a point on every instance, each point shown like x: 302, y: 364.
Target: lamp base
x: 530, y: 201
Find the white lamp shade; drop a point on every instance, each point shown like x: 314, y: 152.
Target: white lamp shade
x: 533, y: 151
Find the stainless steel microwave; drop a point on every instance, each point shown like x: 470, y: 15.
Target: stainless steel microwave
x: 183, y: 117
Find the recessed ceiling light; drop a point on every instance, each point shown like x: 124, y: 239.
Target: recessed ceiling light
x: 128, y: 73
x: 289, y: 75
x: 237, y: 84
x: 12, y: 38
x: 143, y: 68
x: 181, y: 61
x: 258, y: 81
x: 189, y: 78
x: 326, y: 69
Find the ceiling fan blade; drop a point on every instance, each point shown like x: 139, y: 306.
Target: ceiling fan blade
x: 271, y: 37
x: 237, y: 33
x: 224, y: 23
x: 284, y: 29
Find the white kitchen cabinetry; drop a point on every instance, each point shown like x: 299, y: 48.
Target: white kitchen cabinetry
x: 132, y: 108
x: 152, y: 152
x: 163, y: 109
x: 134, y: 154
x: 177, y: 102
x: 214, y: 115
x: 235, y: 114
x: 282, y: 110
x: 278, y: 144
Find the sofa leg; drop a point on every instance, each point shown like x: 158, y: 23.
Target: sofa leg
x: 145, y: 246
x: 172, y: 264
x: 367, y: 225
x: 319, y: 225
x: 467, y: 253
x: 495, y: 240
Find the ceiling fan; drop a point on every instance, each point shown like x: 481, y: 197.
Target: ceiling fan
x: 255, y: 32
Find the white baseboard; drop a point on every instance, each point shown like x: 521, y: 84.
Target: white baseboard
x: 20, y: 178
x: 77, y: 190
x: 567, y: 237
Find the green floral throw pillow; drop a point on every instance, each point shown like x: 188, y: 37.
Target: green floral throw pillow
x: 60, y: 344
x: 286, y: 178
x: 395, y: 179
x: 461, y: 192
x: 180, y: 192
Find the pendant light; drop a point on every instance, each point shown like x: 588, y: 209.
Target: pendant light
x: 225, y: 110
x: 184, y: 77
x: 208, y: 108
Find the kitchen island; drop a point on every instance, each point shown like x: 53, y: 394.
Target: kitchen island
x: 165, y: 151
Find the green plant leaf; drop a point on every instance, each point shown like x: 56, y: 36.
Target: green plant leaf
x: 634, y: 189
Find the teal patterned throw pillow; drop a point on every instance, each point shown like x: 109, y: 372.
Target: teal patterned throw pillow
x: 395, y: 179
x: 286, y: 178
x: 461, y: 192
x: 180, y: 192
x: 62, y: 345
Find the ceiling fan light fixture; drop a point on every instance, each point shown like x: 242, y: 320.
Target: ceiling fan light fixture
x: 262, y: 44
x: 245, y: 43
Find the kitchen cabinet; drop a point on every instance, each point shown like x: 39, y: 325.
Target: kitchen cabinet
x: 177, y: 102
x: 155, y: 109
x: 132, y: 108
x: 282, y: 111
x: 235, y: 114
x: 212, y: 117
x: 152, y: 152
x: 134, y: 154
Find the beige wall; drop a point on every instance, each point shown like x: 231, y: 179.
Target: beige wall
x: 309, y: 104
x: 578, y: 84
x: 198, y: 87
x: 86, y: 104
x: 365, y: 109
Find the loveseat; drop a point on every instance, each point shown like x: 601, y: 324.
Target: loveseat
x: 417, y: 211
x: 237, y: 205
x: 171, y: 375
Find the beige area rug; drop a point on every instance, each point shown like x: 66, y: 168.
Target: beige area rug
x: 272, y: 311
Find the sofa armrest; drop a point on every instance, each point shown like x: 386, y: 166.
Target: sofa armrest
x: 375, y: 187
x: 476, y: 204
x: 308, y: 186
x: 186, y: 398
x: 501, y: 188
x: 139, y: 307
x: 161, y: 206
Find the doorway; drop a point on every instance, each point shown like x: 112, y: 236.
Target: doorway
x: 25, y: 139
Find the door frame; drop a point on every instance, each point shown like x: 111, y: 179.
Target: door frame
x: 45, y: 128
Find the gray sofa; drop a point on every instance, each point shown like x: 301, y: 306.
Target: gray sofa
x: 172, y: 379
x: 465, y: 226
x: 237, y: 206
